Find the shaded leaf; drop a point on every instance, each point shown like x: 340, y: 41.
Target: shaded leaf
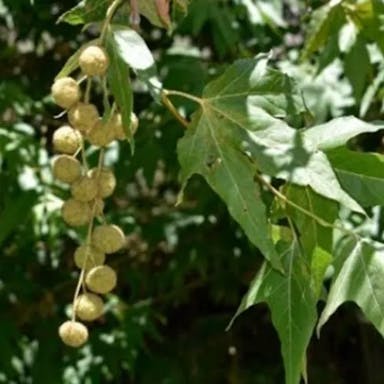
x: 357, y: 67
x: 360, y: 174
x: 86, y: 11
x: 359, y: 271
x: 292, y: 303
x: 120, y: 84
x: 316, y: 240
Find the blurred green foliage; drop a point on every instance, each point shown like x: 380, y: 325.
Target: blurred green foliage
x: 186, y: 268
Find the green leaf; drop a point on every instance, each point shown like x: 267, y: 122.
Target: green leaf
x: 120, y: 84
x: 286, y: 153
x: 359, y: 271
x: 315, y: 239
x: 85, y: 12
x: 249, y: 93
x: 357, y: 67
x: 133, y: 50
x: 370, y: 93
x: 325, y: 21
x: 149, y: 11
x: 73, y: 62
x: 239, y: 130
x: 360, y: 174
x: 338, y: 131
x: 292, y: 303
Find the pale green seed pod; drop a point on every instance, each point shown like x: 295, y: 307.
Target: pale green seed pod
x: 89, y: 307
x: 76, y: 213
x: 66, y: 169
x: 87, y: 257
x: 108, y: 238
x: 73, y: 333
x: 84, y: 189
x: 106, y: 181
x: 66, y: 140
x: 101, y: 279
x: 93, y: 61
x: 65, y: 92
x: 83, y: 116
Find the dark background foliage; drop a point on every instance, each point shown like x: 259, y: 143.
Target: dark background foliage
x: 187, y: 267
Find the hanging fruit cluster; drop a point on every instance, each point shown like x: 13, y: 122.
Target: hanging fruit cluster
x: 89, y: 187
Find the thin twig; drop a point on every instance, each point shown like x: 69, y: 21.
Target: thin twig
x: 173, y: 110
x: 318, y: 219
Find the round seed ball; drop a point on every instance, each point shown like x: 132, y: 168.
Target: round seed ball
x: 83, y: 116
x: 66, y: 140
x: 89, y: 255
x: 108, y: 238
x: 100, y: 134
x: 84, y: 189
x: 65, y: 92
x: 93, y: 61
x: 118, y: 128
x: 66, y: 168
x: 73, y: 333
x: 106, y: 181
x: 89, y: 307
x: 101, y: 279
x: 76, y: 213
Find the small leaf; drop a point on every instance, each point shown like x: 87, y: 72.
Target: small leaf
x: 292, y: 303
x: 120, y: 84
x: 357, y: 67
x: 338, y: 131
x: 85, y: 12
x: 148, y: 9
x: 133, y: 50
x: 325, y: 21
x: 360, y: 174
x: 359, y: 271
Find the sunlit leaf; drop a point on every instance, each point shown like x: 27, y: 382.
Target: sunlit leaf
x: 359, y: 270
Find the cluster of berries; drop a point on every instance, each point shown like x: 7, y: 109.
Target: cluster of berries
x: 88, y: 189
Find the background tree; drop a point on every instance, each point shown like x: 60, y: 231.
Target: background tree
x: 187, y: 267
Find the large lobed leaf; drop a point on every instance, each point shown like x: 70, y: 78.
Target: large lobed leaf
x: 244, y: 126
x: 241, y: 128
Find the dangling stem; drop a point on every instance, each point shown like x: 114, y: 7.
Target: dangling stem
x: 110, y: 12
x: 318, y: 219
x: 173, y: 110
x: 170, y: 92
x: 80, y: 282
